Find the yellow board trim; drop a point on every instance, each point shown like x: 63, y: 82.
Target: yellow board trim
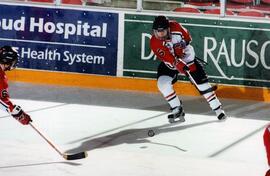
x: 134, y: 84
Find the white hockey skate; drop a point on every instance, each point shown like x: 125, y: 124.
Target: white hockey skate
x: 221, y: 114
x: 177, y: 115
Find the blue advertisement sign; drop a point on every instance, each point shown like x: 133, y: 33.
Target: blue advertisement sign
x: 61, y: 39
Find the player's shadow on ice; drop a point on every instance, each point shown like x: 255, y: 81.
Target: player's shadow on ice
x: 134, y: 136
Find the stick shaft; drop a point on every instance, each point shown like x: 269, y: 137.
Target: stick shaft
x: 213, y: 88
x: 192, y: 80
x: 47, y: 140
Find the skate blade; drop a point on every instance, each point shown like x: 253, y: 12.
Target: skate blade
x: 180, y: 118
x: 176, y: 120
x: 222, y: 117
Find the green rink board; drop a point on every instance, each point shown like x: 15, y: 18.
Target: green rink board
x: 236, y: 52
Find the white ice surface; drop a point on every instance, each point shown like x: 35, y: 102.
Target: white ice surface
x: 117, y: 143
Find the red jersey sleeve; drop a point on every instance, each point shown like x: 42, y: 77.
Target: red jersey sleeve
x: 161, y: 51
x: 178, y: 28
x: 5, y: 102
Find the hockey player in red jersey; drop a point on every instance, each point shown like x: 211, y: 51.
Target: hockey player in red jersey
x: 171, y: 44
x: 8, y: 61
x: 266, y: 140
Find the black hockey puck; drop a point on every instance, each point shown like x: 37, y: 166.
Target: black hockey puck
x: 151, y: 133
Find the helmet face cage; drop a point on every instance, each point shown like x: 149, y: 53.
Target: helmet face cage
x: 8, y: 57
x: 161, y: 27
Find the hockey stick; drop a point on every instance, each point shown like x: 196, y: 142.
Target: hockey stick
x: 75, y: 156
x: 213, y: 88
x: 200, y: 60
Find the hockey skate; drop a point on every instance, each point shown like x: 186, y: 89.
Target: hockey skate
x: 177, y: 115
x: 221, y: 114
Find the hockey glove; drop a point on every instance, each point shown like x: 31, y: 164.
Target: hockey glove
x: 181, y: 66
x: 179, y: 49
x: 192, y: 66
x: 20, y: 115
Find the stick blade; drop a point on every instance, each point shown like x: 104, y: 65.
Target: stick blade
x: 75, y: 156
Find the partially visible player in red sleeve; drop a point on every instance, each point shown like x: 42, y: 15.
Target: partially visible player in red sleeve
x: 8, y: 61
x: 170, y: 42
x: 266, y: 140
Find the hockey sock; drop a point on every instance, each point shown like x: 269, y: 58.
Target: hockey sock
x: 166, y: 88
x: 210, y: 97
